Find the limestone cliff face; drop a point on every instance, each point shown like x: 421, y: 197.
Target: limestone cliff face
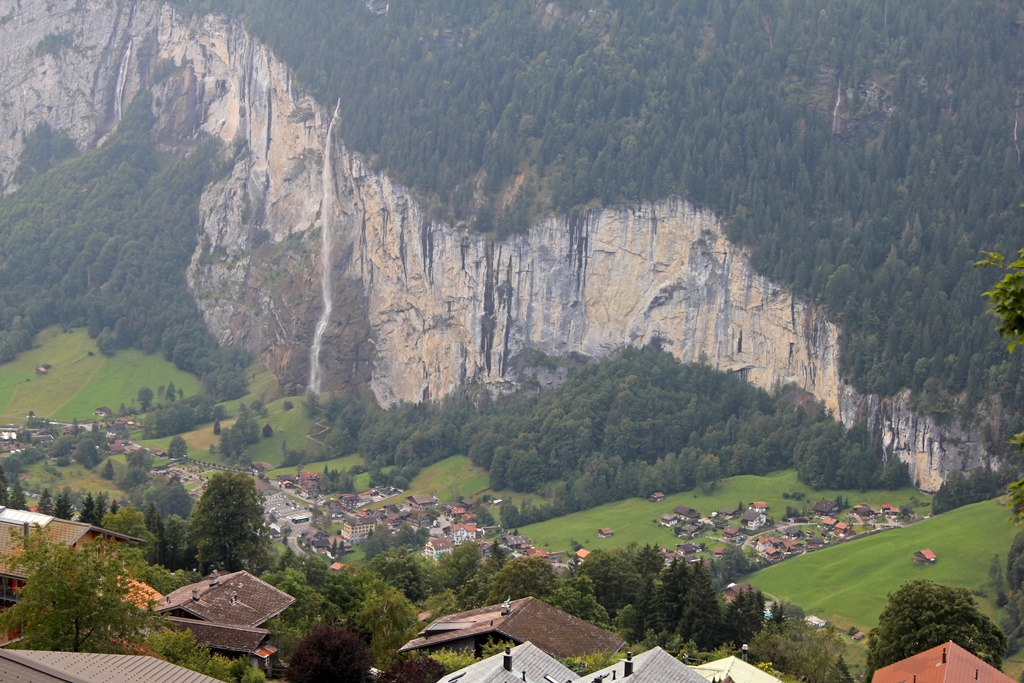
x: 420, y: 308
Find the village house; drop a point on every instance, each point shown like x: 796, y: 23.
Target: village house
x: 826, y: 508
x: 731, y: 534
x: 462, y: 533
x: 436, y: 547
x: 229, y: 614
x: 760, y: 506
x: 557, y: 633
x: 753, y: 519
x: 683, y: 511
x: 657, y: 497
x: 688, y: 531
x: 357, y: 526
x: 733, y: 590
x: 605, y: 533
x: 945, y: 663
x: 668, y: 520
x: 422, y: 501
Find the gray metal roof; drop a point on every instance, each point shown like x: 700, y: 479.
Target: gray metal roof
x: 529, y: 663
x: 37, y: 666
x: 653, y: 666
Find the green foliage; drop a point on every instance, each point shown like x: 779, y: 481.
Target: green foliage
x: 103, y: 241
x: 921, y: 615
x: 796, y: 648
x: 961, y: 489
x: 227, y: 525
x: 181, y: 648
x: 43, y: 149
x: 75, y: 599
x: 452, y: 660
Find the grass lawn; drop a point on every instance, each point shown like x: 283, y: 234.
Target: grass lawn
x: 450, y: 479
x: 80, y: 378
x: 849, y: 584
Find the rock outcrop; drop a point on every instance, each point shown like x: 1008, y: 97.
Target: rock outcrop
x: 420, y: 308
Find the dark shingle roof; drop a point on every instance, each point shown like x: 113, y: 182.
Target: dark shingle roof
x: 222, y: 636
x: 529, y: 663
x: 238, y: 599
x: 556, y: 632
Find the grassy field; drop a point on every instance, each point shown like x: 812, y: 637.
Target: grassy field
x: 47, y: 475
x: 289, y: 426
x: 80, y: 379
x: 451, y: 479
x: 334, y: 464
x: 849, y: 584
x: 634, y: 519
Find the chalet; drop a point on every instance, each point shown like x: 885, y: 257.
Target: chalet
x: 462, y: 533
x: 555, y: 632
x: 829, y: 523
x: 825, y: 508
x: 103, y: 411
x: 753, y: 520
x: 791, y: 546
x: 605, y: 533
x: 773, y: 554
x: 843, y: 529
x: 15, y: 525
x: 925, y: 556
x: 229, y: 614
x: 859, y: 635
x: 688, y: 549
x: 657, y: 497
x: 890, y: 509
x: 683, y: 511
x: 760, y: 506
x: 718, y: 552
x: 668, y: 520
x: 863, y: 511
x: 422, y: 501
x: 581, y: 554
x: 728, y: 513
x: 816, y: 622
x: 689, y: 530
x: 814, y: 543
x: 733, y: 590
x: 730, y: 533
x: 515, y: 542
x: 946, y: 663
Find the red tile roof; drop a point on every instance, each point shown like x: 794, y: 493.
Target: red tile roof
x: 927, y: 667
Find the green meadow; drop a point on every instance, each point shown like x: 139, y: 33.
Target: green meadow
x: 451, y: 479
x: 849, y: 584
x: 79, y: 378
x: 290, y: 426
x: 635, y: 519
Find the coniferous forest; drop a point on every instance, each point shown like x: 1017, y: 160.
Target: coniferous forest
x: 864, y: 151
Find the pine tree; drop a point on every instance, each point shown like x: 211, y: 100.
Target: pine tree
x: 46, y: 503
x: 62, y: 508
x: 108, y: 471
x: 3, y: 487
x: 17, y: 499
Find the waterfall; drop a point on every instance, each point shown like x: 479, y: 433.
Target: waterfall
x: 122, y: 76
x: 835, y: 111
x: 326, y: 212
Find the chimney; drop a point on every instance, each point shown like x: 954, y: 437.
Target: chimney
x: 195, y: 595
x: 627, y: 668
x: 943, y: 655
x: 976, y: 674
x: 24, y: 531
x: 234, y: 597
x: 506, y: 661
x: 168, y: 598
x: 215, y: 578
x: 506, y: 606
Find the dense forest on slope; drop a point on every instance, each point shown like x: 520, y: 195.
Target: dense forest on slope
x: 865, y: 151
x: 102, y: 241
x: 617, y: 429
